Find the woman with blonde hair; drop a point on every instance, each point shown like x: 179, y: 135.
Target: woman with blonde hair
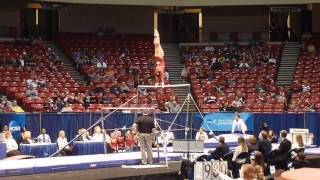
x: 298, y: 142
x: 26, y: 138
x: 242, y: 147
x: 12, y: 146
x: 63, y: 146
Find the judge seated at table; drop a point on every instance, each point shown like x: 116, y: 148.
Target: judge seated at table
x: 43, y: 137
x: 169, y: 136
x: 84, y: 135
x: 201, y: 135
x: 63, y: 146
x: 12, y: 146
x: 298, y: 143
x: 98, y: 135
x: 26, y: 138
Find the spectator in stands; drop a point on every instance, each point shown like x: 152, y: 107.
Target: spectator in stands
x: 26, y: 138
x: 124, y: 88
x: 66, y: 108
x: 175, y: 107
x: 311, y: 50
x: 63, y: 146
x: 243, y: 65
x: 60, y: 104
x: 166, y: 75
x: 299, y: 161
x: 87, y: 101
x: 31, y: 93
x: 124, y: 53
x: 252, y: 144
x: 44, y: 137
x: 11, y: 144
x: 15, y: 107
x: 101, y: 65
x: 271, y: 137
x: 105, y: 99
x: 210, y: 98
x: 272, y: 60
x: 264, y: 145
x: 184, y: 73
x: 20, y: 61
x: 115, y: 89
x: 221, y: 150
x: 32, y: 82
x: 41, y: 83
x: 306, y: 87
x: 167, y: 105
x: 298, y: 143
x: 201, y: 135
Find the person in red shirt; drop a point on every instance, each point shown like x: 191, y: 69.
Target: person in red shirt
x: 129, y: 139
x: 120, y: 140
x: 113, y: 142
x: 159, y: 57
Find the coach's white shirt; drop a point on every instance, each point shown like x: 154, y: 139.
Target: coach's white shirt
x: 240, y: 125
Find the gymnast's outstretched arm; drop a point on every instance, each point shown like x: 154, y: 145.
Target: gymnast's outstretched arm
x: 157, y: 46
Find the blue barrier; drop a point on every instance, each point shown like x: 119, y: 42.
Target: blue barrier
x: 71, y: 122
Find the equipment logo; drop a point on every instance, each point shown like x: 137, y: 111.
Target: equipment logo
x: 15, y: 129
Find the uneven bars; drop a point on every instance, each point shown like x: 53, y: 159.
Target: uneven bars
x: 165, y: 86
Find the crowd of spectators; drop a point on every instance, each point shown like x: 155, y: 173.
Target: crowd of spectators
x: 9, y: 106
x: 219, y: 68
x: 305, y: 85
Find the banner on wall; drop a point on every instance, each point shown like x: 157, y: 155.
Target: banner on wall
x: 223, y: 121
x: 16, y: 123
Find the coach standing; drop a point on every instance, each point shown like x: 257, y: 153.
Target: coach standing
x: 145, y: 127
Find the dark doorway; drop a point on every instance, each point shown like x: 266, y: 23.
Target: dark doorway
x: 47, y: 26
x: 48, y: 23
x: 175, y: 28
x: 306, y: 22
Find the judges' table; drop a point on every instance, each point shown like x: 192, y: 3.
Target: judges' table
x: 230, y: 139
x: 38, y: 150
x: 89, y: 147
x: 3, y: 153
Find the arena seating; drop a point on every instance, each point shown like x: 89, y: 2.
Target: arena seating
x: 132, y: 66
x: 306, y: 83
x: 13, y: 78
x: 233, y: 81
